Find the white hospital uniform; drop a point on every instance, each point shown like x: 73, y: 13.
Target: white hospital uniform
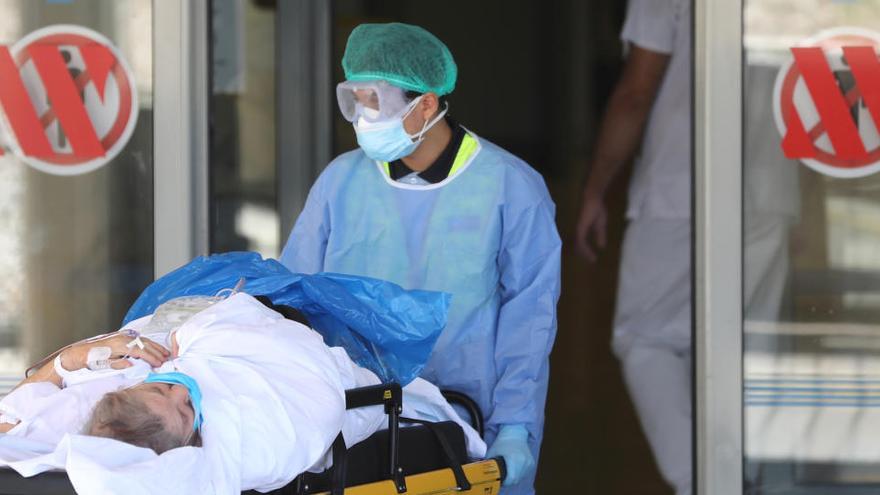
x: 652, y: 327
x: 655, y: 271
x: 273, y: 403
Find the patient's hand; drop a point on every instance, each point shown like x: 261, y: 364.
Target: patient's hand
x: 5, y: 427
x: 76, y: 357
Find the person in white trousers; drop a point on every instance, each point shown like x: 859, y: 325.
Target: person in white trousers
x: 649, y: 117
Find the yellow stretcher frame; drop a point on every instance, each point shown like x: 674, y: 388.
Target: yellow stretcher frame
x: 484, y: 476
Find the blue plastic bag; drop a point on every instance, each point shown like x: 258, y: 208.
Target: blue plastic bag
x: 384, y: 328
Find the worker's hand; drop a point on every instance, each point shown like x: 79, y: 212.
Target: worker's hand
x: 592, y: 223
x: 76, y: 357
x: 512, y: 444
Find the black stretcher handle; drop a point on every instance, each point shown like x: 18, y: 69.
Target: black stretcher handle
x: 389, y: 395
x: 469, y: 405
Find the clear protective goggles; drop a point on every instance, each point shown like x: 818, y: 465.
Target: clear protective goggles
x: 375, y: 101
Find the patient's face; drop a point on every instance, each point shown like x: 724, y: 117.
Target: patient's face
x: 169, y: 402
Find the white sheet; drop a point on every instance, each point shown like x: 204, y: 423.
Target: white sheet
x: 273, y: 404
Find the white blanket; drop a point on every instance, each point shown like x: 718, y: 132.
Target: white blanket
x: 273, y: 404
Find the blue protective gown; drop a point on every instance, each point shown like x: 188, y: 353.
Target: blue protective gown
x: 486, y: 235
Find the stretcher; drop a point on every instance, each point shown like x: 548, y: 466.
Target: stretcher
x: 420, y: 458
x: 411, y: 457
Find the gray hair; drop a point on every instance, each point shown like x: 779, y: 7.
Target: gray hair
x: 122, y: 416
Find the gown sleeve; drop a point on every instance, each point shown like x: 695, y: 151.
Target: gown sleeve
x: 529, y: 262
x: 305, y: 248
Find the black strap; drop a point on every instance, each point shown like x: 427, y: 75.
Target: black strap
x: 340, y: 466
x: 288, y: 312
x: 460, y: 478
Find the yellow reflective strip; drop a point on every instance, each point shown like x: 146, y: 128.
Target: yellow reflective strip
x: 465, y: 151
x: 387, y: 169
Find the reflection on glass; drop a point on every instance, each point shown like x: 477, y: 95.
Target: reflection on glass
x: 243, y: 202
x: 77, y: 250
x: 811, y: 269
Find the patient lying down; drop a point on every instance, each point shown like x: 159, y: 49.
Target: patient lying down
x: 263, y: 396
x: 158, y: 416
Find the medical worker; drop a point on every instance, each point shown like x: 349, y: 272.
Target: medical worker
x: 427, y: 204
x: 650, y: 111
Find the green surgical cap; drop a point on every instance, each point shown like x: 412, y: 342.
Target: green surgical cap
x: 404, y: 55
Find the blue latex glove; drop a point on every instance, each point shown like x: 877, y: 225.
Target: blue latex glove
x: 512, y: 444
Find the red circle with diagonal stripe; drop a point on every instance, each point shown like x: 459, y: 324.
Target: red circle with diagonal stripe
x: 822, y: 103
x: 83, y: 97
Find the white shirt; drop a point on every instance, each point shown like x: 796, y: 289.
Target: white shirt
x: 661, y: 184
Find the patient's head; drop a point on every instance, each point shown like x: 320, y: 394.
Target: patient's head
x: 157, y: 416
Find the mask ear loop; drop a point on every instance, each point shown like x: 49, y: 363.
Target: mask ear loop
x: 410, y: 107
x: 420, y: 136
x: 190, y: 439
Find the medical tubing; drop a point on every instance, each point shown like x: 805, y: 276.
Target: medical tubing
x: 90, y: 340
x: 222, y: 293
x: 233, y: 291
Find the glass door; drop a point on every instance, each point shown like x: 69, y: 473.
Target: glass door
x: 76, y: 171
x: 271, y: 111
x: 787, y: 111
x: 811, y: 246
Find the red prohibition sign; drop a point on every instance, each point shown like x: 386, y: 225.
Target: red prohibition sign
x: 809, y: 103
x: 74, y: 81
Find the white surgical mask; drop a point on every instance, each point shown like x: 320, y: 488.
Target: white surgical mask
x: 386, y: 141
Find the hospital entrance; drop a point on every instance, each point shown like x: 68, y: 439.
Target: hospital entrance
x: 232, y: 115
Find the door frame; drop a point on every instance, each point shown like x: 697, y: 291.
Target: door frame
x: 181, y: 77
x: 717, y: 130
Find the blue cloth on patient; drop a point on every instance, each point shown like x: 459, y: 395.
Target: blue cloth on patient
x: 384, y: 328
